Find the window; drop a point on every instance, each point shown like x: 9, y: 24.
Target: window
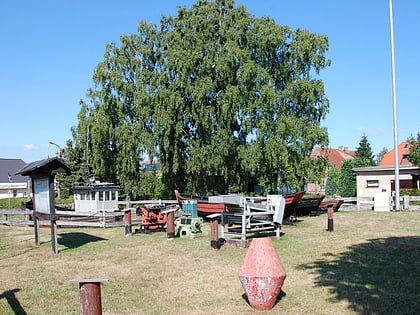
x: 372, y: 183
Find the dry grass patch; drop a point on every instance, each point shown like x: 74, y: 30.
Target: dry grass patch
x: 368, y: 265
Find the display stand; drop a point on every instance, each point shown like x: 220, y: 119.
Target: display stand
x: 42, y: 174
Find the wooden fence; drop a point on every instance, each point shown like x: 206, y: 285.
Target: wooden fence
x: 367, y: 203
x: 110, y: 219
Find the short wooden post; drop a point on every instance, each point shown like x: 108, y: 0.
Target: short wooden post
x: 127, y: 222
x: 36, y: 229
x: 214, y: 230
x: 170, y: 224
x: 90, y: 295
x: 54, y: 239
x: 330, y: 214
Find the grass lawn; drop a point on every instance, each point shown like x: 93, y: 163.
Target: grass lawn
x: 369, y: 264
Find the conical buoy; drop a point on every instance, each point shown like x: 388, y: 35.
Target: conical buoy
x: 262, y: 274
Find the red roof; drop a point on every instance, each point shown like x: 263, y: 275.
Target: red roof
x: 403, y: 151
x: 335, y: 156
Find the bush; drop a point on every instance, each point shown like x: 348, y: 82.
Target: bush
x: 410, y: 192
x: 6, y: 203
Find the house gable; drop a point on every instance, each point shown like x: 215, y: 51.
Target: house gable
x: 403, y: 151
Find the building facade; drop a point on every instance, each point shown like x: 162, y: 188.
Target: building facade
x: 374, y: 180
x: 11, y: 185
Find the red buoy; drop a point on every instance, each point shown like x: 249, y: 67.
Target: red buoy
x: 262, y: 274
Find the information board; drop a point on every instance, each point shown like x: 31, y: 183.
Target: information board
x: 42, y: 195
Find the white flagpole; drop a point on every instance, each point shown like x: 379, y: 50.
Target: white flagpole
x: 394, y: 101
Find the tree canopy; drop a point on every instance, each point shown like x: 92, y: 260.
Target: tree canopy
x: 364, y: 152
x: 347, y: 186
x: 414, y: 155
x: 215, y: 95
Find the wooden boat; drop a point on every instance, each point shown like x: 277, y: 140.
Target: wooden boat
x: 291, y: 201
x: 308, y: 204
x: 205, y: 208
x: 336, y: 204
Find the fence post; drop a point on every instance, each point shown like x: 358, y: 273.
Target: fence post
x: 330, y: 214
x: 170, y: 225
x: 127, y: 222
x: 214, y: 230
x: 406, y: 204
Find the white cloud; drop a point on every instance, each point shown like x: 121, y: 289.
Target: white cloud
x: 30, y: 147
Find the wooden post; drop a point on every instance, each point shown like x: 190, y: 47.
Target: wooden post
x: 36, y: 229
x: 53, y: 222
x: 214, y: 230
x: 170, y: 225
x: 127, y: 222
x: 54, y: 240
x: 330, y: 214
x: 90, y: 296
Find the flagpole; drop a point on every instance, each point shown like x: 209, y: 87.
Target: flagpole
x: 394, y: 102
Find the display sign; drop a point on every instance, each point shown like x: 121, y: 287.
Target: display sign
x: 42, y: 195
x: 13, y: 185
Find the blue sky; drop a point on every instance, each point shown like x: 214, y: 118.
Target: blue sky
x: 50, y: 49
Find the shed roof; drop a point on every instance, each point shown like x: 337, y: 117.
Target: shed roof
x: 46, y: 166
x: 380, y: 168
x: 96, y: 186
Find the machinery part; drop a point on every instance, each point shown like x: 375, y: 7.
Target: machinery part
x: 152, y: 218
x: 187, y: 226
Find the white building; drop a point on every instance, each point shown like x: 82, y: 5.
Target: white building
x: 97, y: 197
x: 377, y: 180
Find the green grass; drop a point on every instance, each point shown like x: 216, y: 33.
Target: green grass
x: 370, y: 264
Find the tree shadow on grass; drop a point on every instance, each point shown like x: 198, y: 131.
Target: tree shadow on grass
x: 381, y: 276
x: 14, y: 303
x: 77, y: 239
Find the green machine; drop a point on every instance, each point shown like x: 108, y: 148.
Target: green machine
x: 189, y: 224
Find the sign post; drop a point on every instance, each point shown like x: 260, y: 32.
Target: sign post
x: 43, y: 174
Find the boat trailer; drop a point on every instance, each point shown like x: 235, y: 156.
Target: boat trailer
x: 259, y: 216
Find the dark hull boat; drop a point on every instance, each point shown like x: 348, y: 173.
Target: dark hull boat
x: 307, y: 205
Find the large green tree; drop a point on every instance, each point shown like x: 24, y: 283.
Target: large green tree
x: 213, y: 93
x: 414, y: 155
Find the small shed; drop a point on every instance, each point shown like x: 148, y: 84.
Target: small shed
x: 96, y: 197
